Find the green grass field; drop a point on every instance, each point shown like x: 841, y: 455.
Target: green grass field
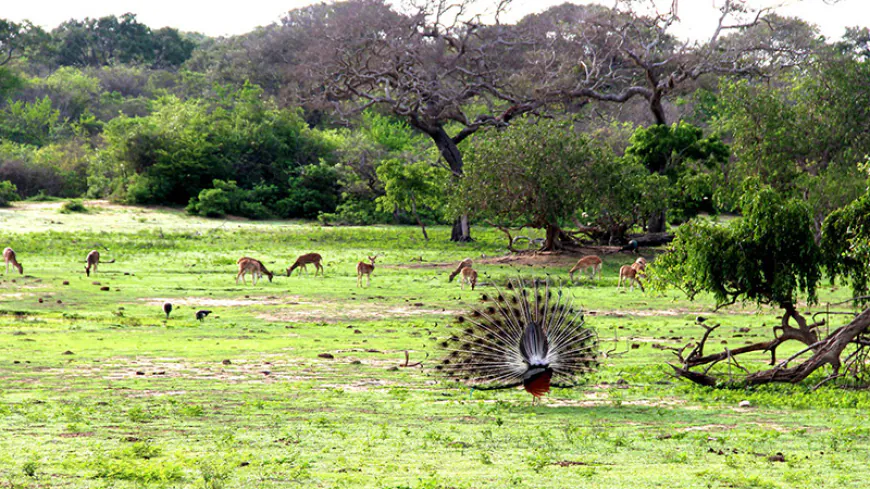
x: 97, y: 389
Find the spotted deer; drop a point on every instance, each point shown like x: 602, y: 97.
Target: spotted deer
x: 9, y: 258
x: 93, y: 260
x: 629, y: 273
x: 462, y: 265
x: 303, y: 261
x: 254, y: 267
x: 469, y: 276
x: 363, y: 268
x: 586, y: 263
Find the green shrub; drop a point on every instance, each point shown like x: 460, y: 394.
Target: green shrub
x: 41, y: 196
x: 8, y: 193
x: 71, y: 206
x: 227, y: 198
x: 354, y: 212
x: 314, y: 191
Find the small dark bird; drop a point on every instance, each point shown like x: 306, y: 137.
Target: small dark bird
x: 532, y: 337
x: 632, y: 245
x: 167, y: 308
x: 700, y: 319
x: 201, y: 314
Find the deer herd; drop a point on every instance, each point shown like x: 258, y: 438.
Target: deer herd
x: 630, y: 274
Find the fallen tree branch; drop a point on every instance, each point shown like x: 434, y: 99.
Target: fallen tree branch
x: 827, y: 351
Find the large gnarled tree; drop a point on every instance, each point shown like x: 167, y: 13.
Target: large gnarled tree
x: 439, y: 68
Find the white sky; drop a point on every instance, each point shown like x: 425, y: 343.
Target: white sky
x: 237, y: 17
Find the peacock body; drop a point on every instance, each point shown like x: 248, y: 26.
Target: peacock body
x: 531, y: 336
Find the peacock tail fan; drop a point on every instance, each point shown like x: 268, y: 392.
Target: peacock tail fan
x: 530, y: 335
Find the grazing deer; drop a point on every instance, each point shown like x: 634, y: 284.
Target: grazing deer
x: 629, y: 273
x: 93, y: 260
x: 254, y: 267
x: 640, y: 264
x: 304, y: 260
x: 586, y: 263
x: 363, y: 268
x: 469, y: 276
x: 9, y: 257
x: 462, y: 265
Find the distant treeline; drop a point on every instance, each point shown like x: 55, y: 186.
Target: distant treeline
x: 356, y: 112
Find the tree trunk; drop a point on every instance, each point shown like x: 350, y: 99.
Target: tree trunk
x: 417, y: 216
x: 655, y: 106
x: 656, y: 223
x: 553, y: 242
x: 450, y: 152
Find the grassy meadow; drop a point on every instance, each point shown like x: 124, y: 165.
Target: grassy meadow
x: 301, y: 382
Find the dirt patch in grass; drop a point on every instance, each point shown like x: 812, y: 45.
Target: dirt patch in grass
x: 76, y: 435
x: 212, y: 302
x: 335, y: 312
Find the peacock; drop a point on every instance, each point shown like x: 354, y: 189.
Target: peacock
x: 527, y: 335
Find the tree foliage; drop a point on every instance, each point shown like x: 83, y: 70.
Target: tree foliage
x: 688, y: 160
x: 530, y: 174
x: 768, y: 256
x: 411, y: 186
x: 846, y: 244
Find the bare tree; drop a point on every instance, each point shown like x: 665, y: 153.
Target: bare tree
x: 440, y: 68
x: 616, y: 55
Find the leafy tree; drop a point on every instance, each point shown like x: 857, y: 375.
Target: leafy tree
x: 10, y: 82
x: 617, y: 194
x: 183, y: 146
x: 805, y: 137
x: 768, y: 256
x: 110, y: 40
x: 846, y: 244
x: 29, y: 123
x: 72, y: 92
x: 530, y: 174
x: 408, y: 185
x: 681, y: 153
x: 312, y: 192
x: 16, y: 38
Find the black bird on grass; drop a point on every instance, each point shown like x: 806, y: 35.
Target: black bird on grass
x: 167, y: 308
x: 201, y: 314
x: 532, y: 337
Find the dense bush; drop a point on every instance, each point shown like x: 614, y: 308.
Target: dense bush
x: 227, y: 198
x: 72, y: 206
x: 312, y: 192
x: 8, y: 193
x: 177, y: 151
